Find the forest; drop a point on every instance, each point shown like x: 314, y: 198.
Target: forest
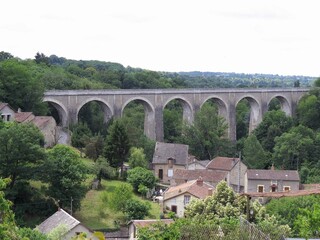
x: 283, y: 141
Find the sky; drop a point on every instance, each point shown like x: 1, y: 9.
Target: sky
x: 244, y: 36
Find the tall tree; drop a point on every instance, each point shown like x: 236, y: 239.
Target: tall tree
x: 65, y: 173
x: 294, y: 148
x: 117, y: 145
x: 207, y: 136
x: 253, y: 153
x: 274, y: 123
x: 309, y: 109
x: 21, y: 151
x: 5, y: 56
x: 19, y: 88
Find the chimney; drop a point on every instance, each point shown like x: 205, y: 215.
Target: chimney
x: 272, y: 167
x: 170, y: 162
x: 210, y: 191
x: 200, y: 181
x: 19, y: 110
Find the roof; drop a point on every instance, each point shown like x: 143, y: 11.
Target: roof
x: 222, y: 163
x: 41, y: 121
x: 163, y: 151
x: 144, y: 223
x: 205, y: 174
x: 284, y: 194
x: 261, y: 174
x: 2, y: 105
x: 190, y: 187
x: 22, y: 116
x: 60, y: 217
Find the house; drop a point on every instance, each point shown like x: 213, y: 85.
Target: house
x: 134, y: 225
x: 272, y: 180
x: 46, y: 124
x: 6, y: 112
x: 194, y: 163
x: 70, y: 225
x: 168, y: 157
x: 177, y: 197
x: 209, y: 176
x: 235, y: 168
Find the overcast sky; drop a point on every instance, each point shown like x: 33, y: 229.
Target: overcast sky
x: 258, y: 36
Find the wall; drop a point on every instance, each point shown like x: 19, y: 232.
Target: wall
x: 234, y: 176
x: 78, y: 229
x: 177, y: 201
x: 165, y: 168
x: 7, y: 111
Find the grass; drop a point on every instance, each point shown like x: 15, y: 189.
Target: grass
x: 97, y: 215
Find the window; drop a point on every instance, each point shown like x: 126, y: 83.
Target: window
x: 273, y: 188
x: 160, y: 174
x: 260, y: 188
x: 8, y: 118
x: 174, y: 209
x: 286, y: 188
x: 170, y: 172
x: 186, y: 199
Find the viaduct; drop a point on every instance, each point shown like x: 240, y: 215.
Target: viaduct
x: 69, y: 102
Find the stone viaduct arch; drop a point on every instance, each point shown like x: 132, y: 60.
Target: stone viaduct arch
x: 69, y: 102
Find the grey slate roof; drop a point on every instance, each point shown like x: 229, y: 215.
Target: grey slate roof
x: 163, y: 151
x: 60, y: 217
x: 289, y: 175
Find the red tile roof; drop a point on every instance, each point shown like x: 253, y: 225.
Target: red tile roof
x: 222, y: 163
x: 41, y: 121
x: 205, y: 174
x: 257, y: 174
x: 191, y: 187
x: 23, y: 116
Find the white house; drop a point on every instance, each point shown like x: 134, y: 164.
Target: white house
x: 70, y: 225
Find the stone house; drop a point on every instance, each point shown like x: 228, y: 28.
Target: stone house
x: 134, y: 225
x: 194, y: 163
x: 167, y: 158
x: 46, y: 124
x: 261, y: 181
x: 211, y: 177
x: 235, y: 169
x: 6, y: 112
x: 177, y: 197
x: 70, y: 225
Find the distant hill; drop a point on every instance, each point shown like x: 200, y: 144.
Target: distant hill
x: 198, y: 79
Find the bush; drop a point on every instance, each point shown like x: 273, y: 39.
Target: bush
x: 135, y: 209
x: 142, y: 176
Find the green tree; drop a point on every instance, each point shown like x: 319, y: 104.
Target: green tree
x: 253, y: 153
x: 137, y: 158
x: 294, y: 148
x: 117, y: 145
x: 308, y: 110
x: 80, y: 135
x: 19, y: 88
x: 21, y: 151
x: 142, y: 176
x: 274, y: 124
x: 103, y: 169
x: 207, y: 136
x: 5, y: 56
x: 307, y: 223
x: 65, y: 173
x: 135, y: 209
x: 119, y: 198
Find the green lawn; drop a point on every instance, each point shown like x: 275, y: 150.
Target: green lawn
x: 96, y: 214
